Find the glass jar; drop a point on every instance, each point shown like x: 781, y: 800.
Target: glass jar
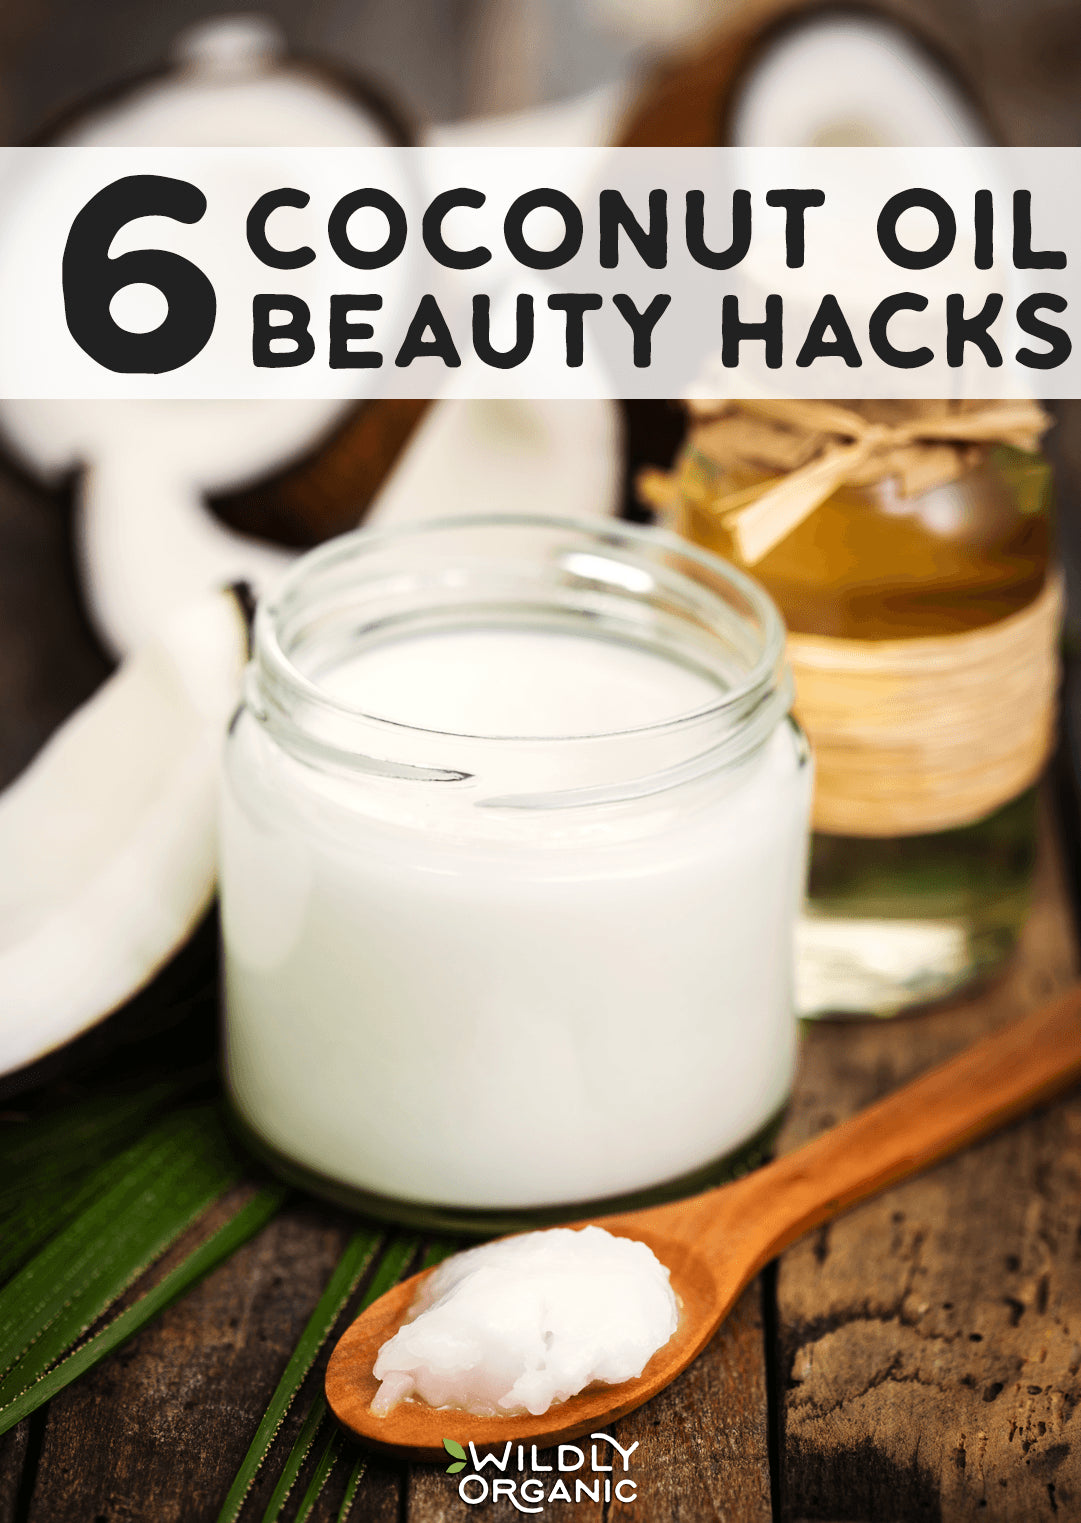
x: 513, y: 839
x: 904, y: 917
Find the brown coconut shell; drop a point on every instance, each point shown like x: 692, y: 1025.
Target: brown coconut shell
x: 328, y: 490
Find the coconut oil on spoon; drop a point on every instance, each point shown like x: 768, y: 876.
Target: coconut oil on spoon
x: 714, y: 1244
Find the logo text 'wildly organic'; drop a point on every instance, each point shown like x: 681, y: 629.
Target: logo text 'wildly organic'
x: 518, y: 1475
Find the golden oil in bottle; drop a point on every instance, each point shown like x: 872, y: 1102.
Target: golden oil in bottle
x: 904, y: 917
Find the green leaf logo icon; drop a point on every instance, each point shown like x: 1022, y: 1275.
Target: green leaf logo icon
x: 452, y: 1446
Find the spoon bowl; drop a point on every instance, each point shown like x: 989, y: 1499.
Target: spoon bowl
x: 417, y: 1430
x: 714, y: 1244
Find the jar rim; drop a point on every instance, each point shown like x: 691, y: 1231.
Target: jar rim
x: 766, y: 675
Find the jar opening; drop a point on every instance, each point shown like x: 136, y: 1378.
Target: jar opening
x: 439, y: 647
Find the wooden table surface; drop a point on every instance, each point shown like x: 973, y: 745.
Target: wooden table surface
x: 917, y: 1359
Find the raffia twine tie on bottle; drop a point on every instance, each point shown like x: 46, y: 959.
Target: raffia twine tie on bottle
x: 912, y: 735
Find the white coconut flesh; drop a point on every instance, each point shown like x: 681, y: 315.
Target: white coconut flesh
x: 538, y: 457
x: 108, y: 839
x: 851, y: 81
x: 149, y: 548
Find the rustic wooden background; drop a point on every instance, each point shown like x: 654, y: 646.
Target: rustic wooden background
x: 919, y: 1359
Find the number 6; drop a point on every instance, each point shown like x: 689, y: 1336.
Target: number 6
x: 91, y: 278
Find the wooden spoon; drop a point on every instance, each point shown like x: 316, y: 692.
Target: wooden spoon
x: 714, y: 1244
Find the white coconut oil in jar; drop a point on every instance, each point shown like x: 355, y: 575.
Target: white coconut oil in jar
x: 513, y: 842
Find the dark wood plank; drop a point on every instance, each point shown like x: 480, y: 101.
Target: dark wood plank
x: 13, y: 1459
x: 379, y: 1498
x: 704, y: 1445
x: 930, y: 1341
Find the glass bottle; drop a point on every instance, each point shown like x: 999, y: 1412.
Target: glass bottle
x: 894, y: 921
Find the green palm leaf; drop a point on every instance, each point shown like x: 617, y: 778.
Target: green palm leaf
x: 151, y: 1193
x: 50, y: 1165
x: 393, y: 1263
x: 73, y: 1137
x: 356, y: 1475
x: 294, y: 1462
x: 93, y: 1193
x: 320, y: 1476
x: 42, y: 1214
x: 340, y: 1287
x: 237, y: 1231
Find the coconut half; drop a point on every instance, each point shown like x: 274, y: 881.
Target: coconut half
x: 782, y: 73
x: 108, y: 839
x: 851, y: 80
x: 269, y: 466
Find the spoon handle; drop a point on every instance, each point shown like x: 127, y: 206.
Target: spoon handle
x: 997, y: 1079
